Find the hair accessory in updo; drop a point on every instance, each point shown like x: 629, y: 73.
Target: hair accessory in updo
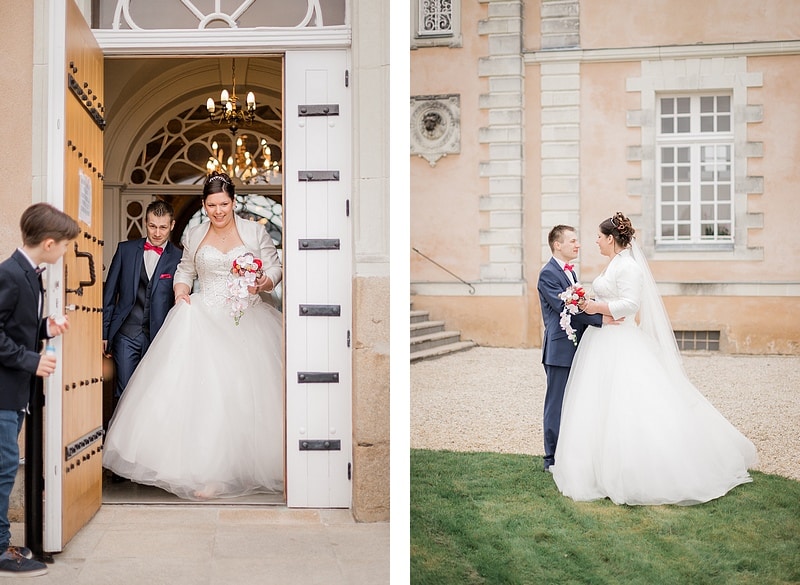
x: 619, y: 227
x: 623, y: 226
x: 222, y: 178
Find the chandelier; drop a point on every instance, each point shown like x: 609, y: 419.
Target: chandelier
x: 249, y: 168
x: 228, y: 111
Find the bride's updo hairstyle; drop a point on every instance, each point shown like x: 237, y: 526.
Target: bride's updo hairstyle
x: 218, y: 183
x: 620, y: 228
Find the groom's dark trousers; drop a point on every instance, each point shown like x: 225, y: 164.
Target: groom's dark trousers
x: 554, y: 398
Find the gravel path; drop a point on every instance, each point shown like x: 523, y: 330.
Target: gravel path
x: 491, y: 399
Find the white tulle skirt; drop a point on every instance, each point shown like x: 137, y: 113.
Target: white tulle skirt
x: 202, y: 416
x: 635, y: 434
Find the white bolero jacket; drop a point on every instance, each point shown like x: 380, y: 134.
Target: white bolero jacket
x: 620, y: 285
x: 255, y: 238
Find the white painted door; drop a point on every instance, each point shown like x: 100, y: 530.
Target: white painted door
x: 317, y: 278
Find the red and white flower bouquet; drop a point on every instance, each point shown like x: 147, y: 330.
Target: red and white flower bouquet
x: 244, y: 272
x: 572, y: 298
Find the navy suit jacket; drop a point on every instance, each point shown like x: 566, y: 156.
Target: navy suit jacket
x: 557, y: 349
x: 122, y: 283
x: 22, y: 330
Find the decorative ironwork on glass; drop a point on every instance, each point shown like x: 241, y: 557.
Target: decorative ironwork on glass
x: 435, y: 17
x: 189, y: 146
x: 193, y: 14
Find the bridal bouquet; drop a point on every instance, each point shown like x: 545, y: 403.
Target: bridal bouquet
x: 572, y: 298
x: 244, y: 272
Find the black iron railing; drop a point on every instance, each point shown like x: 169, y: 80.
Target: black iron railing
x: 471, y: 288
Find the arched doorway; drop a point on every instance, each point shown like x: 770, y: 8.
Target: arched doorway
x: 164, y: 148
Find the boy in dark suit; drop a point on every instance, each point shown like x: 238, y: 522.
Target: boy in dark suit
x: 46, y: 233
x: 138, y: 292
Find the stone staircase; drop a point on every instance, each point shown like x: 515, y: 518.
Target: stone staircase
x: 429, y: 339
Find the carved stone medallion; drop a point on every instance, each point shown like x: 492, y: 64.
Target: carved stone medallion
x: 435, y: 126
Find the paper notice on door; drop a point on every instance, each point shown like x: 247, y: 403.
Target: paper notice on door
x: 85, y: 203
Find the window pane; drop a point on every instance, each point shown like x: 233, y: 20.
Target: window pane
x: 695, y: 178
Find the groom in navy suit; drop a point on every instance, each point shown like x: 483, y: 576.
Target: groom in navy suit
x: 138, y: 292
x: 557, y: 349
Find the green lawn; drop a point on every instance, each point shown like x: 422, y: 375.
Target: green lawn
x: 490, y: 518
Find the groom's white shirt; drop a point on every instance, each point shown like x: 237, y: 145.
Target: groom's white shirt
x: 567, y: 272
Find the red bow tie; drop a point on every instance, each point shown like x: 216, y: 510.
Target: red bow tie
x: 566, y: 266
x: 157, y: 249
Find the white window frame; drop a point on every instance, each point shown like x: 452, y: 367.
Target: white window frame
x: 710, y: 190
x: 694, y: 71
x: 449, y: 38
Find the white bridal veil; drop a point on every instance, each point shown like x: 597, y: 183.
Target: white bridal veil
x: 653, y: 318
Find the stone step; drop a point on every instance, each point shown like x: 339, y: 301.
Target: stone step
x: 441, y: 350
x: 426, y: 328
x: 423, y: 342
x: 419, y: 316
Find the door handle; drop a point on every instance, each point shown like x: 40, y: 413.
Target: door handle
x: 92, y: 274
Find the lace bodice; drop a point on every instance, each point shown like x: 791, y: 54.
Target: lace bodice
x: 602, y: 289
x: 213, y: 268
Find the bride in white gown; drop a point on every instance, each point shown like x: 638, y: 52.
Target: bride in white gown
x: 202, y: 416
x: 633, y: 427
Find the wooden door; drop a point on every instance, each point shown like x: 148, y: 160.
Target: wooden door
x: 73, y: 400
x: 318, y: 275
